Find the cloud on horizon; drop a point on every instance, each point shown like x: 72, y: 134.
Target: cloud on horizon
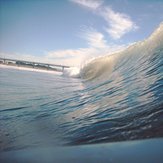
x: 69, y: 57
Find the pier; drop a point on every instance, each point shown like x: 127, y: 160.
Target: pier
x: 30, y: 64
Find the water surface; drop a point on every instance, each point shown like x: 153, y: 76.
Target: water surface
x: 116, y: 98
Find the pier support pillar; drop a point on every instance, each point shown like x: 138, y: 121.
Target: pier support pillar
x: 63, y: 68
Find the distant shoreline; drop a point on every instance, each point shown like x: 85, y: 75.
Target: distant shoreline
x: 31, y: 67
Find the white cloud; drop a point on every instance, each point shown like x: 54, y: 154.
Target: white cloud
x: 95, y: 39
x: 71, y: 57
x: 77, y: 57
x: 118, y: 23
x: 91, y: 4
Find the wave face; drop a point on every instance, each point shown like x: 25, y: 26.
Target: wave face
x: 125, y: 93
x: 120, y: 97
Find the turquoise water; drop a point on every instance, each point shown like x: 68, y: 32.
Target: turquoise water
x: 115, y: 98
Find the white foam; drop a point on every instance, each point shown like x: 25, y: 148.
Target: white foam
x: 72, y: 72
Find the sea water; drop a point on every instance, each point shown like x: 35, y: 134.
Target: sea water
x: 113, y: 98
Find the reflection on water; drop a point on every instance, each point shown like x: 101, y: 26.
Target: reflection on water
x: 39, y: 109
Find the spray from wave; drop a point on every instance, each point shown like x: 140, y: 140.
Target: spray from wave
x: 72, y: 72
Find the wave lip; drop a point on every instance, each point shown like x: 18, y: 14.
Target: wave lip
x: 97, y: 67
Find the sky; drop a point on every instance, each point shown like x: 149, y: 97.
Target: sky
x: 70, y: 32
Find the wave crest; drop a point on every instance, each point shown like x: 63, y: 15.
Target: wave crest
x: 103, y: 66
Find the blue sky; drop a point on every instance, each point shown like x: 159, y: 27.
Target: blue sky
x: 71, y: 31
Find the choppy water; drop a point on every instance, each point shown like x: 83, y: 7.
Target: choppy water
x: 118, y: 97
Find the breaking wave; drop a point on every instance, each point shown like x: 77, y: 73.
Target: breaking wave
x: 133, y: 55
x: 72, y: 72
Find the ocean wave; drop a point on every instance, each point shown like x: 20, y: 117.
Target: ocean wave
x: 102, y: 66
